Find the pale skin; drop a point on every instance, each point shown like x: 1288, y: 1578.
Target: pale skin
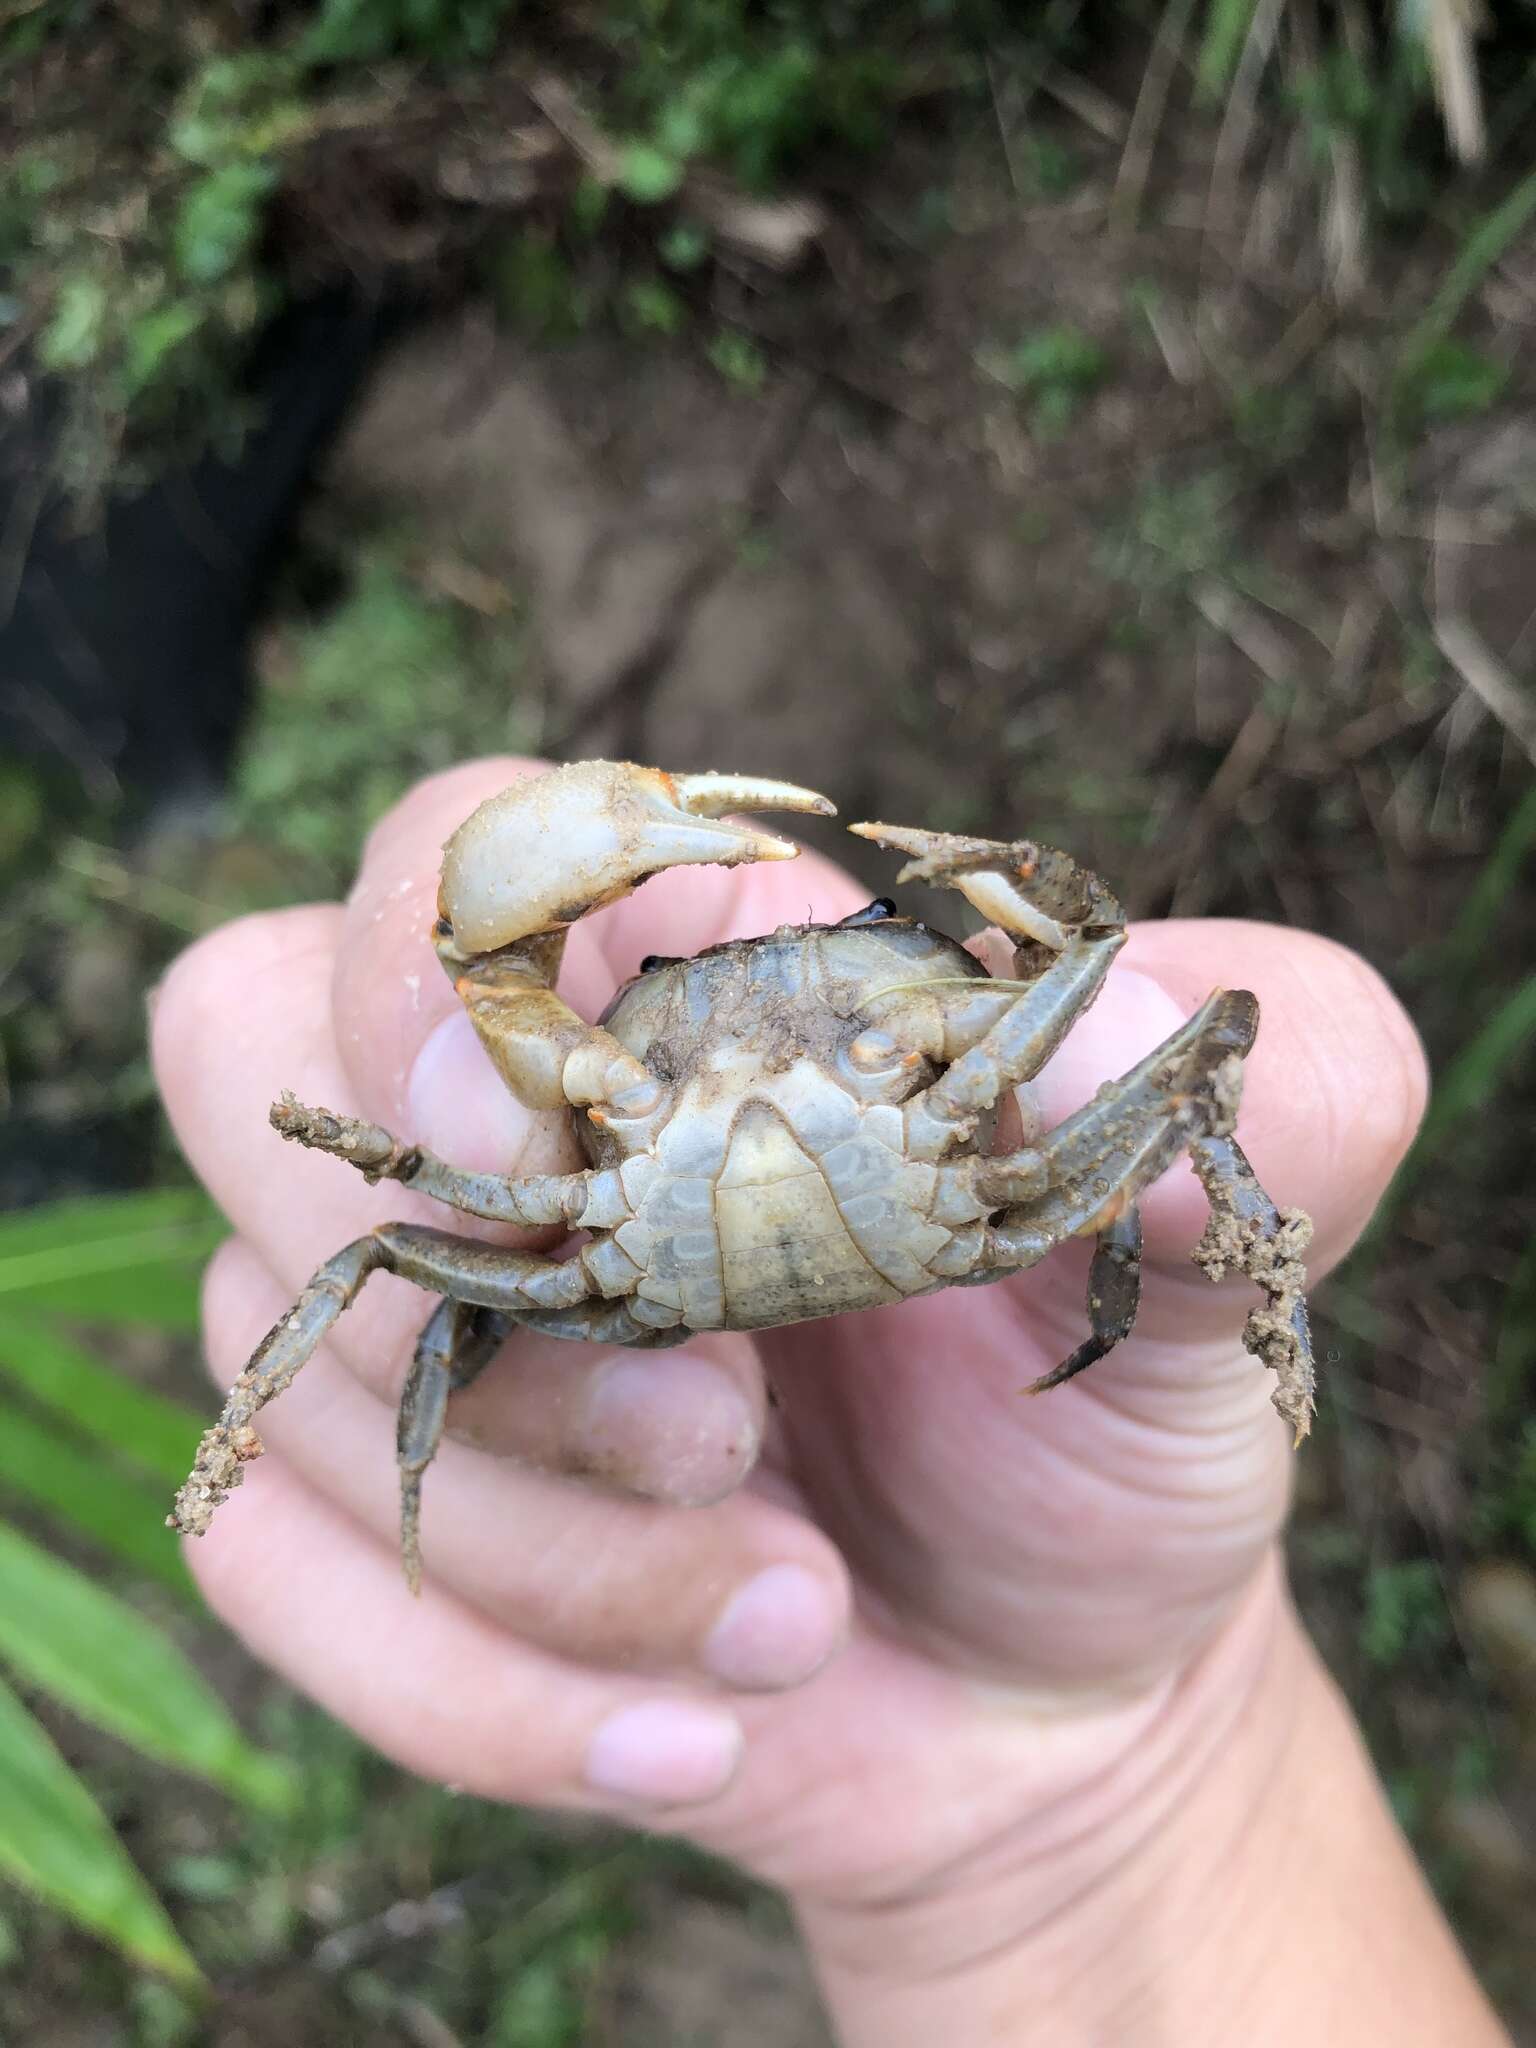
x: 1016, y: 1711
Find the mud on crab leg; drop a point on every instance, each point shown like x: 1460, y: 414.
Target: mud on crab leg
x: 1041, y: 899
x: 1248, y: 1232
x: 532, y: 861
x: 488, y: 1276
x: 589, y: 1200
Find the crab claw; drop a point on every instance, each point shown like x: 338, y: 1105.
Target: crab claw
x: 1023, y: 887
x: 549, y: 849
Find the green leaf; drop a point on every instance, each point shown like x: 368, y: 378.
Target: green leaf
x: 77, y: 332
x: 154, y: 338
x: 1451, y: 381
x: 156, y: 1433
x: 1476, y: 257
x: 123, y: 1515
x: 1226, y: 31
x: 738, y: 359
x: 648, y: 175
x: 683, y: 247
x: 55, y: 1840
x: 89, y: 1650
x: 122, y: 1258
x: 220, y: 219
x: 653, y: 307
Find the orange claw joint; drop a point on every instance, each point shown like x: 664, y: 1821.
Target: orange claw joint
x: 544, y: 852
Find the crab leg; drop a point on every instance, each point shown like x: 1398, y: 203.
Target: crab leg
x: 1114, y: 1295
x: 1248, y: 1232
x: 456, y: 1346
x: 1185, y: 1083
x: 1042, y: 899
x: 1027, y: 1232
x: 488, y: 1276
x: 583, y: 1201
x: 531, y: 861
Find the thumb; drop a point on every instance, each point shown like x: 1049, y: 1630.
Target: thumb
x: 1097, y: 1535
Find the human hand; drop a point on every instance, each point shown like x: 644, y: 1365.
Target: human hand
x: 940, y: 1632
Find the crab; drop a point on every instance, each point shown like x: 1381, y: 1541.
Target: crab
x: 781, y: 1128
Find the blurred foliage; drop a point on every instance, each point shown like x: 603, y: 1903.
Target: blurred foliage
x: 142, y: 229
x: 1055, y: 368
x: 99, y: 1456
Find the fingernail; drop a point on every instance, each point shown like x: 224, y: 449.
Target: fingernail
x: 666, y: 1752
x: 458, y: 1106
x: 776, y: 1630
x: 672, y: 1425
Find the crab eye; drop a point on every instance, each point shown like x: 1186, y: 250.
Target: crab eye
x: 443, y: 929
x: 872, y: 913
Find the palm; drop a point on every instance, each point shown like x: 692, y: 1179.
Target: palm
x: 1072, y: 1552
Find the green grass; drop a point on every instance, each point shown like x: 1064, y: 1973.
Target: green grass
x: 137, y: 225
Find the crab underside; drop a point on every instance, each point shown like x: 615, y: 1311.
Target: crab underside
x: 783, y: 1128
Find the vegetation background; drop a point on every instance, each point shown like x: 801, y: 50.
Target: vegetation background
x: 1114, y: 421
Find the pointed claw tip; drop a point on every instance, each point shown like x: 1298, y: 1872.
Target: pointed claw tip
x: 711, y: 795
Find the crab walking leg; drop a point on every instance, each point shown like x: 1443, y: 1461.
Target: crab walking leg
x: 1018, y: 1045
x: 1248, y: 1232
x: 591, y: 1200
x: 601, y: 1322
x: 456, y: 1346
x: 1027, y: 1232
x: 531, y: 861
x: 1195, y: 1070
x: 1042, y: 899
x: 1114, y: 1295
x: 490, y: 1276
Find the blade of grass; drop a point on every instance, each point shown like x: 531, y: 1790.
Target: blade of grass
x: 1476, y: 257
x: 92, y: 1653
x: 1497, y: 876
x: 1483, y: 902
x: 1465, y: 1088
x: 132, y: 1258
x: 55, y: 1840
x: 135, y: 1422
x: 125, y: 1516
x: 1477, y: 1070
x: 1514, y: 1352
x: 1226, y: 30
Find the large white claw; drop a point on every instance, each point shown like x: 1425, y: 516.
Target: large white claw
x: 555, y: 846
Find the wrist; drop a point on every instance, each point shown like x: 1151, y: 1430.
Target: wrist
x: 1232, y: 1875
